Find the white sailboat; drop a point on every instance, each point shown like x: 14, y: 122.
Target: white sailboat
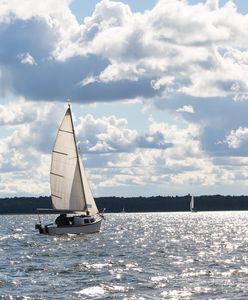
x: 192, y: 204
x: 70, y: 191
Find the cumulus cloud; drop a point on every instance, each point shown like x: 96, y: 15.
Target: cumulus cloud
x: 26, y: 146
x: 182, y: 166
x: 109, y: 134
x: 190, y: 60
x: 25, y: 151
x: 26, y: 58
x: 166, y: 157
x: 216, y: 118
x: 17, y: 112
x: 114, y: 153
x: 174, y: 47
x: 236, y: 137
x: 186, y: 108
x: 31, y: 133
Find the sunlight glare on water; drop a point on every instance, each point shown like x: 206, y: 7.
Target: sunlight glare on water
x: 135, y: 256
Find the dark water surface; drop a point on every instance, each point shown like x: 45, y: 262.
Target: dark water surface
x: 136, y: 256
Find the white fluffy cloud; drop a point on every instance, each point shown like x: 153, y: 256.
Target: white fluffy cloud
x: 114, y: 153
x: 109, y: 134
x: 237, y: 137
x: 26, y: 58
x: 198, y: 44
x: 198, y: 50
x: 191, y: 60
x: 25, y: 150
x: 186, y: 108
x: 179, y: 168
x: 17, y: 112
x: 24, y: 158
x: 166, y: 158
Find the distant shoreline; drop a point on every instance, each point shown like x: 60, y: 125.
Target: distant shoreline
x: 29, y: 205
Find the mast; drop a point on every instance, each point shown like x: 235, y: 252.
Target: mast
x: 80, y: 171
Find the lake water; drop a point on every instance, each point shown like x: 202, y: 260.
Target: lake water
x: 135, y: 256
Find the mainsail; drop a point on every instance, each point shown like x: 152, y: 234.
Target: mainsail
x: 69, y: 186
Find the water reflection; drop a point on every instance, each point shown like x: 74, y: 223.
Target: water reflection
x: 149, y: 256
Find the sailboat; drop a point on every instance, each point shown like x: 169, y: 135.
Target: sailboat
x: 70, y: 192
x: 192, y: 204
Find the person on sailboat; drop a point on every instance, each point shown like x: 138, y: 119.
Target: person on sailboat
x: 62, y: 220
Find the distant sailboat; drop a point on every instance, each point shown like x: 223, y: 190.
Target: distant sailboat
x: 192, y: 204
x: 70, y: 191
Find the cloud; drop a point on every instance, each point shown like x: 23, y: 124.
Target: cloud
x: 166, y: 158
x: 215, y: 117
x: 113, y: 152
x: 18, y: 112
x: 25, y: 150
x: 31, y: 125
x: 186, y: 108
x: 30, y: 69
x: 26, y: 58
x: 190, y: 60
x: 26, y: 145
x: 109, y: 134
x: 237, y: 137
x: 182, y: 166
x: 168, y: 48
x: 31, y: 133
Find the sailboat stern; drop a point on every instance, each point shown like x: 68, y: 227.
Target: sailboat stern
x: 42, y: 229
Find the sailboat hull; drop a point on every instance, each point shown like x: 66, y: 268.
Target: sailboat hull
x: 53, y: 229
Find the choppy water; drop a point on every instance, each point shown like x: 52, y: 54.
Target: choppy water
x: 136, y: 256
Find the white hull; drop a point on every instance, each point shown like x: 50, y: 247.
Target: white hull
x: 53, y: 229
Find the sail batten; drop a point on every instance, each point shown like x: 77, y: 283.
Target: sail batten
x: 56, y: 196
x: 69, y: 186
x: 56, y: 174
x: 66, y: 131
x: 62, y: 153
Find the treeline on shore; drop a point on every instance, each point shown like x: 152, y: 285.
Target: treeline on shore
x: 29, y: 205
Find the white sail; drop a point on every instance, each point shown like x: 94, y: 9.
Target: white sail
x: 69, y: 186
x: 90, y: 202
x: 192, y: 203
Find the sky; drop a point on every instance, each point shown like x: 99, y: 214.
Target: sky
x: 159, y: 94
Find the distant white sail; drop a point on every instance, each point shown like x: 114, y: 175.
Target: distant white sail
x: 192, y: 203
x: 69, y: 186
